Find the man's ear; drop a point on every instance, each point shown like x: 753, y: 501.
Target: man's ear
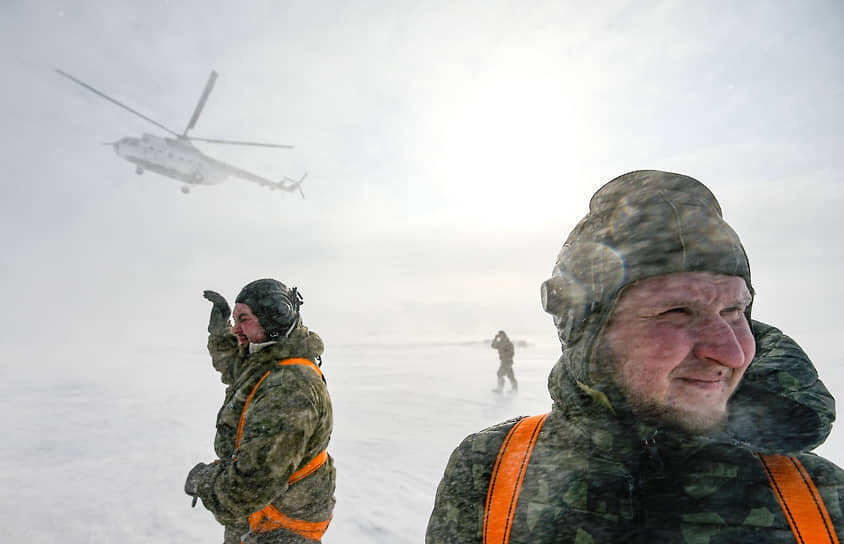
x: 564, y: 298
x: 585, y: 275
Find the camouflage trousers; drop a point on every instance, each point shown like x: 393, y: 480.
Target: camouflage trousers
x: 506, y: 370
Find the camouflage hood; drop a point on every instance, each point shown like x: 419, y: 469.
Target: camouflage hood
x: 781, y: 405
x: 640, y: 225
x: 650, y: 223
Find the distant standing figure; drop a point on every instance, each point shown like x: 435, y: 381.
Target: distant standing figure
x: 505, y: 353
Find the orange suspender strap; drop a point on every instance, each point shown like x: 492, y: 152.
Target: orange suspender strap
x: 507, y: 477
x: 286, y: 362
x: 270, y: 518
x: 243, y: 413
x: 304, y: 362
x: 799, y: 498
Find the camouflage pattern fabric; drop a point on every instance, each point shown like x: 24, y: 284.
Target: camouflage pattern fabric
x: 505, y: 355
x: 781, y: 405
x: 506, y: 370
x: 225, y: 356
x: 598, y: 475
x: 505, y: 349
x: 288, y: 422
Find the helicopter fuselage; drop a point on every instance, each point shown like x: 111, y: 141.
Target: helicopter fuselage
x: 178, y: 158
x: 169, y: 157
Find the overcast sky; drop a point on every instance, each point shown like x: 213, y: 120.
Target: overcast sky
x: 450, y: 146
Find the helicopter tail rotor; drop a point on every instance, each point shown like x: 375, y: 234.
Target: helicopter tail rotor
x: 299, y: 185
x: 292, y: 184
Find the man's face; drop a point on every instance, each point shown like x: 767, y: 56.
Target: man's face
x: 246, y: 326
x: 681, y: 344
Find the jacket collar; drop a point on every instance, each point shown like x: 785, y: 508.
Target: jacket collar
x: 255, y: 348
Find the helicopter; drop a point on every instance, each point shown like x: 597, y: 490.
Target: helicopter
x: 178, y: 158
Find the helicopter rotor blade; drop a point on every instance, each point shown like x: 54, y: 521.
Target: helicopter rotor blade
x: 209, y: 86
x: 115, y: 102
x: 239, y: 142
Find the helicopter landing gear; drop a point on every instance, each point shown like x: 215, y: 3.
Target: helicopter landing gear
x: 139, y: 170
x: 185, y: 189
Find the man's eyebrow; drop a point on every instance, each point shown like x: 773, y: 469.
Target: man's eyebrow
x: 743, y: 300
x: 679, y: 301
x: 674, y: 301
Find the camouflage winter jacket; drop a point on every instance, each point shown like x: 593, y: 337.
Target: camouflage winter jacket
x: 226, y: 356
x: 287, y: 424
x: 505, y: 349
x: 598, y: 476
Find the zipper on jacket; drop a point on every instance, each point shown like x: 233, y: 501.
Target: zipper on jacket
x: 653, y: 460
x: 647, y: 466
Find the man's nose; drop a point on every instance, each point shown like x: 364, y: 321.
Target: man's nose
x: 717, y: 342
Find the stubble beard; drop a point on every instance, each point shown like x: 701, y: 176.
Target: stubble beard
x: 669, y: 415
x: 609, y: 369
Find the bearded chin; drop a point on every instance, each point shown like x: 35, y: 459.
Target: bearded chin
x: 608, y: 370
x: 676, y: 416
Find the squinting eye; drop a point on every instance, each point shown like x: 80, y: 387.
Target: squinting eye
x: 678, y: 310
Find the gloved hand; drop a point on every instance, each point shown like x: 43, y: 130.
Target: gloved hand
x: 218, y: 323
x: 195, y: 476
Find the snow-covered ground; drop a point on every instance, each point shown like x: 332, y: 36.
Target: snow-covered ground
x: 97, y: 443
x: 98, y: 450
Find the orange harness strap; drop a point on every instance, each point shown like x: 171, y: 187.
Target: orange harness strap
x: 796, y: 492
x: 310, y: 468
x: 270, y: 518
x: 286, y: 362
x: 507, y: 477
x: 243, y: 413
x: 304, y: 362
x: 799, y: 498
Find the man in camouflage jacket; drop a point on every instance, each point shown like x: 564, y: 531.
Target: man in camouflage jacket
x: 287, y: 424
x: 502, y: 343
x: 612, y: 463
